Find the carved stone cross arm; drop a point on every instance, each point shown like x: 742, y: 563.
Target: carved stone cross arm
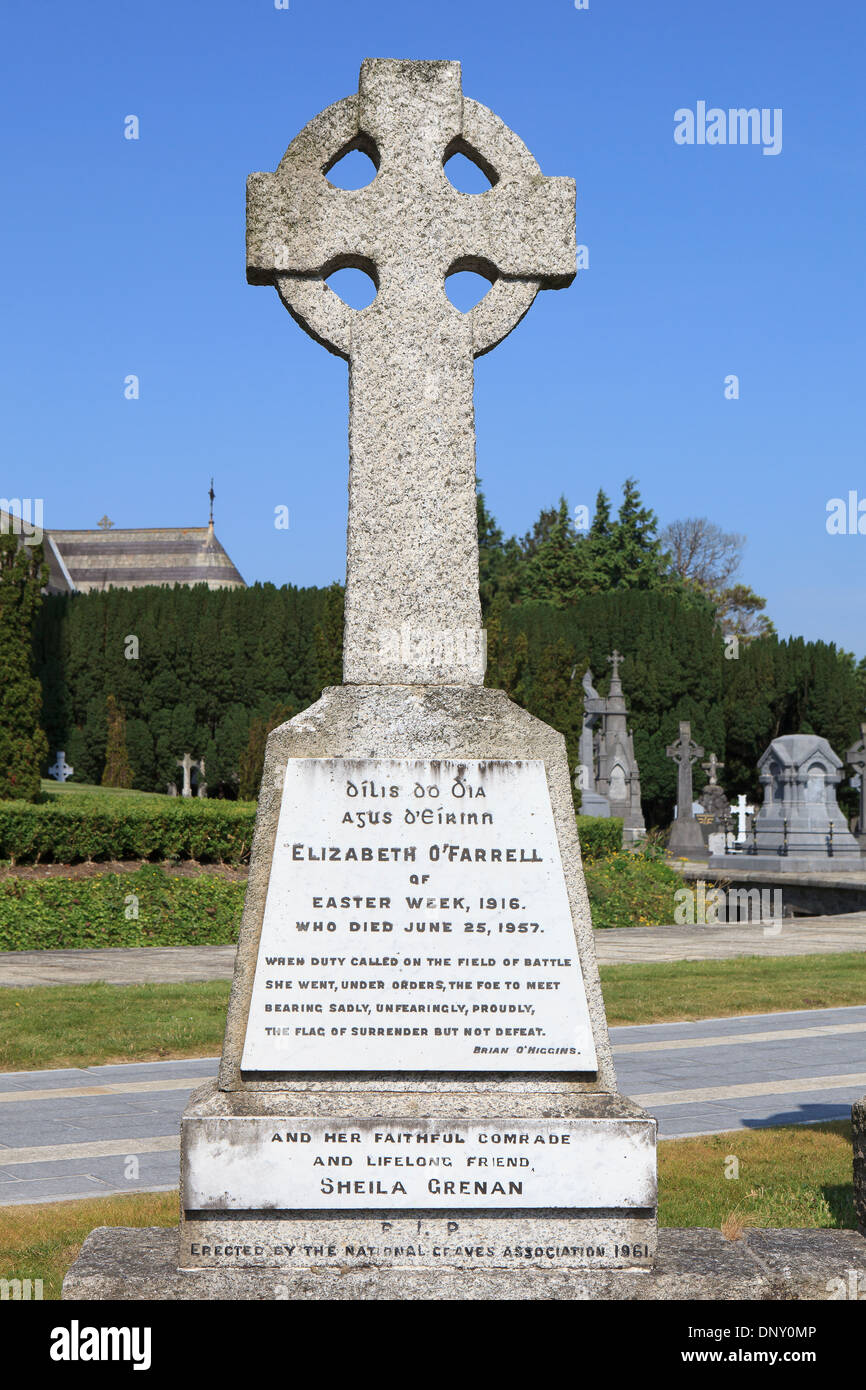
x: 412, y: 606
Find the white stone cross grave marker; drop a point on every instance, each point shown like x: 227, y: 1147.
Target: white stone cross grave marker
x: 741, y: 810
x: 60, y: 769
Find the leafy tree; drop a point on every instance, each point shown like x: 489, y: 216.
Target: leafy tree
x: 117, y: 772
x: 252, y: 760
x: 554, y: 564
x: 707, y: 558
x: 139, y: 744
x: 740, y: 612
x: 637, y: 560
x: 23, y: 745
x: 551, y: 566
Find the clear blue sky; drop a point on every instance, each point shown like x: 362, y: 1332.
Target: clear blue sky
x: 128, y: 257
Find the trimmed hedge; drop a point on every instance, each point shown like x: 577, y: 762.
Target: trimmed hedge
x: 153, y: 907
x: 599, y: 836
x: 145, y: 908
x: 211, y: 832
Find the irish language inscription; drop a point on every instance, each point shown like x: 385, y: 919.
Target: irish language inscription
x: 417, y: 919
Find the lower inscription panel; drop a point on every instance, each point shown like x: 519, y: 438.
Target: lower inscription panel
x: 256, y: 1163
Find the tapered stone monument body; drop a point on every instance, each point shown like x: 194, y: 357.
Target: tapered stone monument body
x: 416, y: 1072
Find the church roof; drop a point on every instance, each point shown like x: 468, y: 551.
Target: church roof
x: 97, y: 560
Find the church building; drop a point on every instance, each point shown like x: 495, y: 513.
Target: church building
x: 88, y: 561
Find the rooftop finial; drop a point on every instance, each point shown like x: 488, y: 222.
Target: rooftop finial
x: 211, y: 495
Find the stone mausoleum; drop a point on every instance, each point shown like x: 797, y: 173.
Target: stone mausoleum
x: 799, y: 827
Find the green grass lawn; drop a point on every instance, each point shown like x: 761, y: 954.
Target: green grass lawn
x: 85, y: 1025
x: 691, y: 989
x: 791, y: 1176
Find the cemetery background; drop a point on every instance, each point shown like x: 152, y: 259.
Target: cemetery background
x: 210, y: 666
x: 539, y: 636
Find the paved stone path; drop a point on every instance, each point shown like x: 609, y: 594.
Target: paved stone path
x: 792, y: 936
x: 137, y: 965
x: 85, y: 1132
x: 171, y: 964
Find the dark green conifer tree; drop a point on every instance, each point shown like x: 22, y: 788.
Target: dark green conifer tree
x: 23, y: 745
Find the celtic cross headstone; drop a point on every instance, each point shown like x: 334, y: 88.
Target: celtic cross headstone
x: 415, y: 974
x: 60, y: 768
x: 685, y: 838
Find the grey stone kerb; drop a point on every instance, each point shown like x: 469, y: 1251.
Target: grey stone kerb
x: 412, y: 608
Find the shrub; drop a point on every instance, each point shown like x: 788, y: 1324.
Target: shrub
x: 64, y: 832
x: 147, y: 908
x: 629, y: 889
x: 599, y: 835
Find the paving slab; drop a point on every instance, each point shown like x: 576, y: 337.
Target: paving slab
x: 115, y: 965
x: 797, y: 936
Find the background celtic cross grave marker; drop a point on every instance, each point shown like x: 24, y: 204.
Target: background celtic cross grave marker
x: 685, y: 837
x: 412, y: 562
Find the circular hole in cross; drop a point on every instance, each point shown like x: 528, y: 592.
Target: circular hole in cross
x: 465, y: 289
x: 465, y: 176
x: 355, y: 287
x: 353, y: 167
x: 468, y: 280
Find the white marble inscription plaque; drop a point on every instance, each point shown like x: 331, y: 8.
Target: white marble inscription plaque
x: 255, y: 1163
x: 417, y: 919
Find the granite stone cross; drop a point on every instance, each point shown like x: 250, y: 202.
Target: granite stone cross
x: 188, y: 762
x: 412, y: 612
x: 614, y: 660
x: 684, y: 753
x: 711, y: 767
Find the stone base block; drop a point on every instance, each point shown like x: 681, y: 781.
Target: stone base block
x: 686, y: 841
x: 790, y: 863
x: 567, y: 1177
x: 777, y: 1265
